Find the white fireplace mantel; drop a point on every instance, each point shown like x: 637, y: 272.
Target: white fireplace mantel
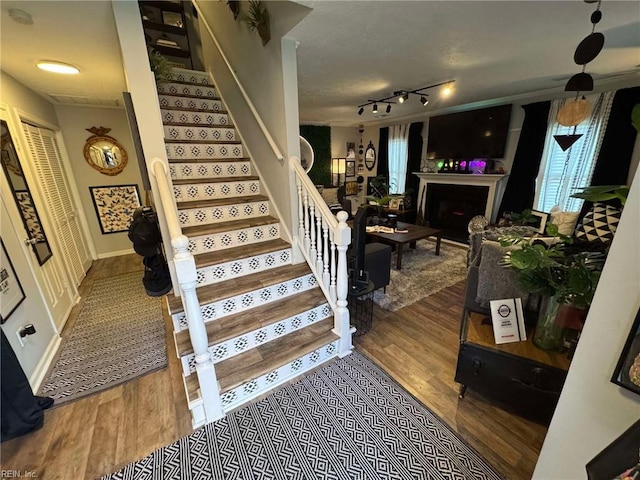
x: 496, y: 184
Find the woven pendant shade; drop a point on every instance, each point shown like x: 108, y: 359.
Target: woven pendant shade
x: 573, y: 112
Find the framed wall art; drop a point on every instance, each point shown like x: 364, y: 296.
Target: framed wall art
x: 11, y: 292
x: 115, y: 205
x: 351, y: 169
x: 540, y: 220
x: 627, y: 372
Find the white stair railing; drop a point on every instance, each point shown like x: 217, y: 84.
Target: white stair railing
x: 323, y: 239
x: 187, y: 276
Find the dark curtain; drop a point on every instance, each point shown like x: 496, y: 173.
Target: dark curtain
x: 413, y: 162
x: 612, y: 165
x: 382, y: 155
x: 521, y: 188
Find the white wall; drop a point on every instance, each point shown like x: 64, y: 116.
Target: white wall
x: 592, y: 411
x: 18, y: 96
x: 74, y: 121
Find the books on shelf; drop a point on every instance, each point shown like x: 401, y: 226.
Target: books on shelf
x: 167, y: 43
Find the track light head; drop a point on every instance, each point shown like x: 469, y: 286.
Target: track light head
x: 424, y: 100
x: 388, y: 108
x: 403, y: 97
x: 375, y: 108
x: 361, y: 111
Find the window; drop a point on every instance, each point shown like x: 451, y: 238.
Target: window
x: 563, y: 173
x: 398, y: 157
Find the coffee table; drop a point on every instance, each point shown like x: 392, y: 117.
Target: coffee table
x: 414, y: 233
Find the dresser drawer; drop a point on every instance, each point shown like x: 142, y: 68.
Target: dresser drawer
x: 529, y: 388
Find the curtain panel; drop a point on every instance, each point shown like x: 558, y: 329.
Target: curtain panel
x: 398, y: 155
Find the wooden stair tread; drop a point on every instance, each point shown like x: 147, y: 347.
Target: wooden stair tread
x: 188, y: 109
x: 183, y: 82
x: 250, y: 320
x: 168, y: 94
x: 245, y: 251
x: 198, y: 125
x: 261, y: 360
x: 237, y: 286
x: 209, y: 160
x: 203, y: 142
x: 229, y: 226
x: 189, y: 181
x: 218, y: 202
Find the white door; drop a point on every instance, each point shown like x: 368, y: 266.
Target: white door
x: 54, y: 184
x: 25, y: 218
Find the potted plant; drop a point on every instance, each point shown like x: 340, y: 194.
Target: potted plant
x: 564, y: 277
x: 257, y: 19
x: 160, y: 66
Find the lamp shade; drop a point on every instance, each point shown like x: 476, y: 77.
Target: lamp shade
x: 338, y: 166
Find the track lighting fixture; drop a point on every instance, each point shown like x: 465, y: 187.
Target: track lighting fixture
x: 403, y: 95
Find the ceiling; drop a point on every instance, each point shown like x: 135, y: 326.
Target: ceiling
x: 352, y: 51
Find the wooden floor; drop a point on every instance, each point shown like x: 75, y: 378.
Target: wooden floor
x: 417, y: 345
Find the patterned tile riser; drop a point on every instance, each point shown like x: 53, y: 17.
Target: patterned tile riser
x: 182, y: 171
x: 245, y: 266
x: 178, y: 151
x: 234, y: 346
x: 212, y: 134
x: 233, y: 238
x: 201, y: 78
x: 202, y: 91
x: 209, y: 191
x: 199, y: 118
x: 169, y: 101
x: 205, y: 216
x: 245, y: 301
x: 254, y: 388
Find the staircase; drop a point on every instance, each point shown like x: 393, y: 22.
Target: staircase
x: 267, y: 320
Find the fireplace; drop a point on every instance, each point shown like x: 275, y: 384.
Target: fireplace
x: 450, y: 207
x: 462, y: 196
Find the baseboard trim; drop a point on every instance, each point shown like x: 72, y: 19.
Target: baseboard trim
x: 117, y: 253
x: 45, y: 362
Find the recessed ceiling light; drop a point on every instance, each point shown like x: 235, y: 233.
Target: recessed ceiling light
x: 21, y: 16
x: 57, y: 67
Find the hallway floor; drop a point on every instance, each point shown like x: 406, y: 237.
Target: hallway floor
x: 417, y: 345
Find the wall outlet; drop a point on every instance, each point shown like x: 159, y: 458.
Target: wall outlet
x: 20, y: 339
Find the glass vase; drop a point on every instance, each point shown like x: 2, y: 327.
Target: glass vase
x: 549, y: 334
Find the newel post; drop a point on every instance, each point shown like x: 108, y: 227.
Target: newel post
x: 341, y: 325
x: 187, y: 278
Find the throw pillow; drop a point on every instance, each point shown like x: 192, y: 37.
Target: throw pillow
x: 599, y: 224
x: 566, y: 221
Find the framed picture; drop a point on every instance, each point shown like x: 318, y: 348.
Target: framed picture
x: 172, y: 18
x: 540, y: 220
x: 11, y: 292
x: 351, y: 150
x: 351, y: 188
x: 351, y: 168
x: 627, y: 372
x: 115, y: 205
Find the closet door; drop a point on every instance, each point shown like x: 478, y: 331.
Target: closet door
x: 54, y: 183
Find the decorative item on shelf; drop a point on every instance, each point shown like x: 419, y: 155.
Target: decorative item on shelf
x: 575, y: 111
x: 104, y: 153
x: 172, y: 18
x: 257, y: 19
x: 165, y: 41
x: 402, y: 96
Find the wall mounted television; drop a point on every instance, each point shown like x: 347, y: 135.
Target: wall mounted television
x: 473, y: 134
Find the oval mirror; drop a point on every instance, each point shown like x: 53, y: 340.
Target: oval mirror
x: 306, y: 154
x: 104, y: 153
x: 370, y: 157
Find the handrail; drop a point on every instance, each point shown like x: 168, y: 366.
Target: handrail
x: 304, y: 179
x: 244, y: 93
x: 161, y: 172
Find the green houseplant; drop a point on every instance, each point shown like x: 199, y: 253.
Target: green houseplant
x: 257, y: 19
x: 564, y: 277
x: 160, y: 66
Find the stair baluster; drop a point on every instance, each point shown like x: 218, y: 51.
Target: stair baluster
x: 325, y: 250
x: 341, y: 313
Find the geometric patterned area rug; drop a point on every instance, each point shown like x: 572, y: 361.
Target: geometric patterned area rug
x: 119, y: 335
x: 423, y: 273
x: 346, y: 420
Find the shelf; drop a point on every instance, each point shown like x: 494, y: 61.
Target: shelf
x: 163, y: 27
x: 174, y: 52
x: 167, y: 6
x: 482, y: 335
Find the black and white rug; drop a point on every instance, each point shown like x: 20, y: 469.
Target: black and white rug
x: 118, y: 336
x: 347, y: 420
x: 423, y: 273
